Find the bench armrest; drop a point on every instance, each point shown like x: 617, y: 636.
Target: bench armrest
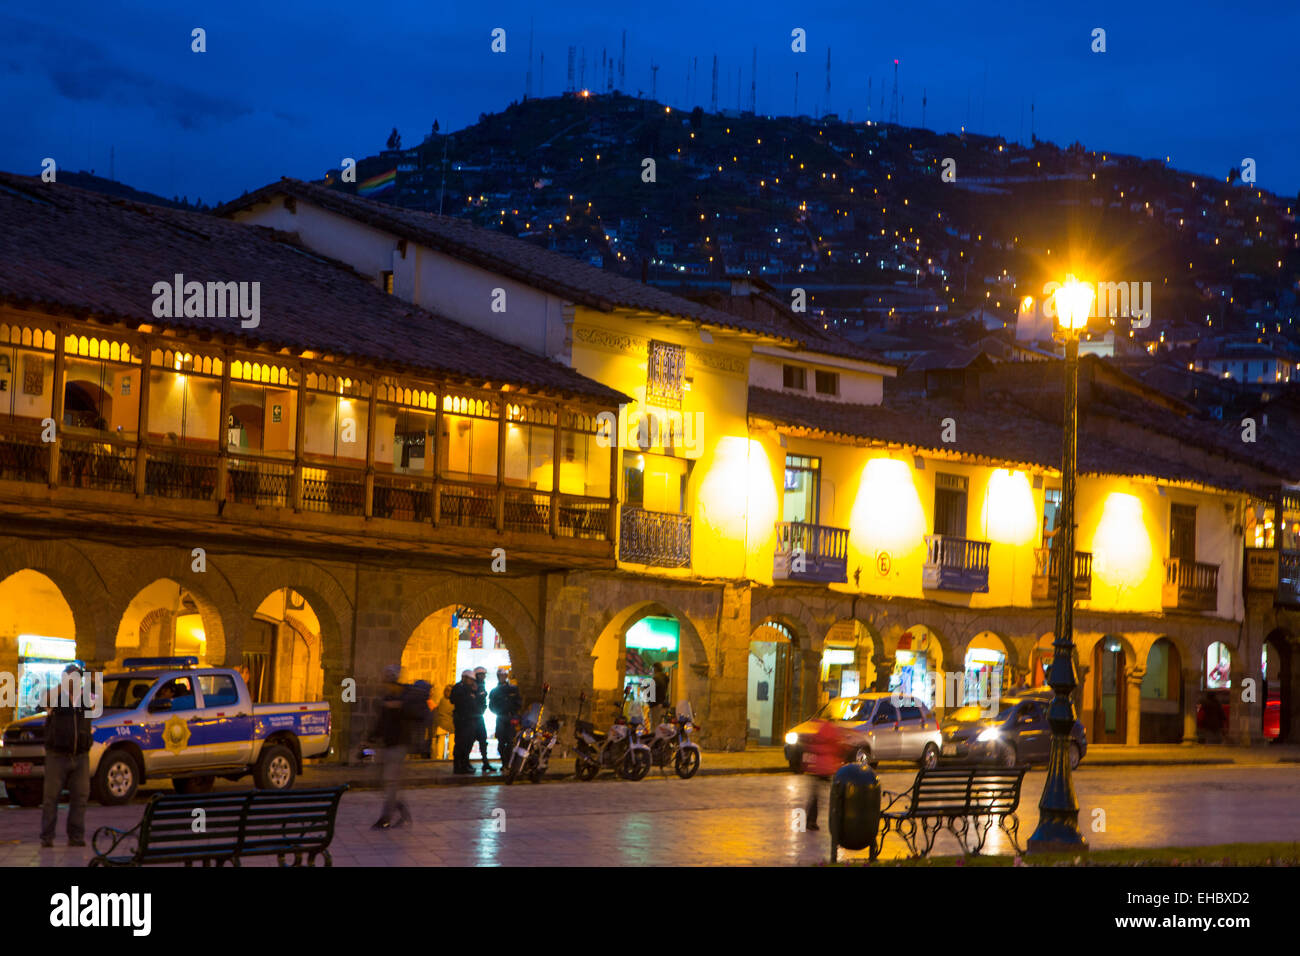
x: 893, y: 798
x: 112, y: 836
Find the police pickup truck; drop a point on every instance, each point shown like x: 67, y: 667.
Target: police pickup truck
x: 168, y: 717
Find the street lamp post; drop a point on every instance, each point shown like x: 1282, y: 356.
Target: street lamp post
x: 1058, y: 808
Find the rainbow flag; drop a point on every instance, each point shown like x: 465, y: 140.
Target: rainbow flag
x: 377, y: 185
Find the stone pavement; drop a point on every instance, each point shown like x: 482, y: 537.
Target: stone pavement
x: 734, y: 820
x: 772, y: 760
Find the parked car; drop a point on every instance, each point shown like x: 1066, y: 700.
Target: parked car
x: 1017, y: 734
x: 167, y: 717
x: 877, y: 726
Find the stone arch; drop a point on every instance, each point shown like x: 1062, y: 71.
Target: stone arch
x: 513, y: 621
x: 329, y: 601
x: 694, y: 662
x: 80, y: 583
x: 790, y: 612
x: 1161, y: 694
x: 999, y: 678
x: 211, y: 616
x: 1279, y: 685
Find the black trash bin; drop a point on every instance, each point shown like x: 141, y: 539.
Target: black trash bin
x: 855, y: 809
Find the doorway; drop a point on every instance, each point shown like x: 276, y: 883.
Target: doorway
x: 770, y: 664
x: 1110, y: 704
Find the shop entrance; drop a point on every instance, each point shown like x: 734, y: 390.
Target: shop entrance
x: 1110, y: 704
x: 770, y: 677
x: 1275, y: 664
x: 479, y: 644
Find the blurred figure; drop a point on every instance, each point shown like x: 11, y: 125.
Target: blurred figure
x: 443, y: 724
x: 67, y: 758
x: 822, y: 757
x: 394, y: 729
x: 1210, y: 718
x: 506, y: 703
x: 659, y: 703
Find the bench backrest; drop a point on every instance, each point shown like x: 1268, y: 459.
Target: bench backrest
x: 240, y: 822
x: 978, y: 789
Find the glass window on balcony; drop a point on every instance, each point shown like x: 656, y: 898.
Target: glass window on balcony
x: 101, y: 387
x: 1051, y: 514
x: 262, y: 419
x: 1261, y: 531
x: 802, y: 489
x: 184, y: 402
x: 404, y: 440
x: 1290, y: 523
x: 469, y: 439
x: 950, y: 505
x: 26, y: 374
x: 664, y: 374
x: 584, y: 464
x: 655, y: 482
x: 530, y: 456
x: 336, y: 426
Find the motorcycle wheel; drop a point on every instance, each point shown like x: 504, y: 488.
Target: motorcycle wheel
x: 687, y: 763
x: 536, y: 774
x: 634, y: 765
x: 585, y: 769
x: 512, y: 771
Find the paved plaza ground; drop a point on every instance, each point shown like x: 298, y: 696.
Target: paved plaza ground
x: 735, y: 819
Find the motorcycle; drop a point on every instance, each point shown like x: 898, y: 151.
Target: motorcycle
x: 533, y: 743
x: 621, y: 749
x: 671, y: 743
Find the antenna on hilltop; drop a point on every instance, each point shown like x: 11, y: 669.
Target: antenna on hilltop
x: 893, y: 110
x: 654, y: 81
x: 922, y: 107
x: 528, y: 83
x: 541, y: 72
x: 753, y: 83
x: 713, y: 102
x: 572, y: 52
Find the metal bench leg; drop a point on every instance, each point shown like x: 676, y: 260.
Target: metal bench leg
x: 1012, y: 831
x: 982, y: 826
x: 961, y: 834
x: 930, y: 833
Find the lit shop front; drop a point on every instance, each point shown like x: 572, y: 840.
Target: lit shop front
x: 41, y: 661
x: 650, y: 641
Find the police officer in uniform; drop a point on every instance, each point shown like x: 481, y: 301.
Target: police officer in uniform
x: 506, y: 703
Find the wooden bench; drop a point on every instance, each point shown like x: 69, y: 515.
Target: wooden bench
x: 229, y: 827
x: 967, y: 802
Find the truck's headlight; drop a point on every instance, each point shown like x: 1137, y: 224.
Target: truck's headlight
x: 792, y: 738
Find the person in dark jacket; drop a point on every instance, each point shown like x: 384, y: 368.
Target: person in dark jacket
x: 398, y: 721
x: 67, y: 758
x: 480, y: 707
x: 659, y: 705
x: 506, y: 703
x: 463, y: 702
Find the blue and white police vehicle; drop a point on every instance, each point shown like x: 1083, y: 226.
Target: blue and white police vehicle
x: 168, y: 717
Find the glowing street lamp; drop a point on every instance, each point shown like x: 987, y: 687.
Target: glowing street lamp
x: 1058, y: 808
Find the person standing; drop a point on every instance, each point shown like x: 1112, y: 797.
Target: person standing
x: 67, y: 758
x: 506, y: 703
x: 824, y: 756
x: 480, y: 707
x: 394, y: 729
x: 659, y: 705
x: 463, y: 703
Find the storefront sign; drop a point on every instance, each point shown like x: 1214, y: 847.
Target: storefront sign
x: 1261, y: 569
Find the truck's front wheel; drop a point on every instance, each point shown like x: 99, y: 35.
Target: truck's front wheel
x: 275, y: 768
x: 117, y: 779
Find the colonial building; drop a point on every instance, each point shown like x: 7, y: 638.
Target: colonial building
x: 444, y: 446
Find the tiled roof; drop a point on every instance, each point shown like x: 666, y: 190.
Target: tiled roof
x: 528, y: 263
x: 1012, y: 436
x: 90, y: 255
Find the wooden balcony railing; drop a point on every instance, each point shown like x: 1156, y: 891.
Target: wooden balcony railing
x: 955, y: 564
x: 173, y: 473
x: 263, y: 482
x: 811, y: 552
x: 1288, y: 577
x: 1190, y: 585
x: 1043, y: 586
x: 23, y: 456
x: 655, y: 538
x: 108, y: 466
x: 403, y: 497
x: 331, y: 489
x: 582, y: 517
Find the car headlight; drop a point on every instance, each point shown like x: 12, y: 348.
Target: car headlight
x: 792, y: 738
x: 992, y: 733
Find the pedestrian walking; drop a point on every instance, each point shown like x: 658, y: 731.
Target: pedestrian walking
x: 67, y: 759
x: 824, y: 755
x: 506, y: 703
x: 464, y: 702
x: 443, y: 723
x: 399, y: 720
x: 480, y: 706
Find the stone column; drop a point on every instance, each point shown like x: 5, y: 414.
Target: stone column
x: 1191, y: 698
x: 1133, y: 705
x: 1241, y: 715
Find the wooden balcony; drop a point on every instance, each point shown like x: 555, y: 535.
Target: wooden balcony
x: 811, y: 552
x: 1190, y: 585
x: 1288, y: 578
x: 659, y: 539
x: 1276, y: 572
x: 955, y: 564
x: 1043, y: 585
